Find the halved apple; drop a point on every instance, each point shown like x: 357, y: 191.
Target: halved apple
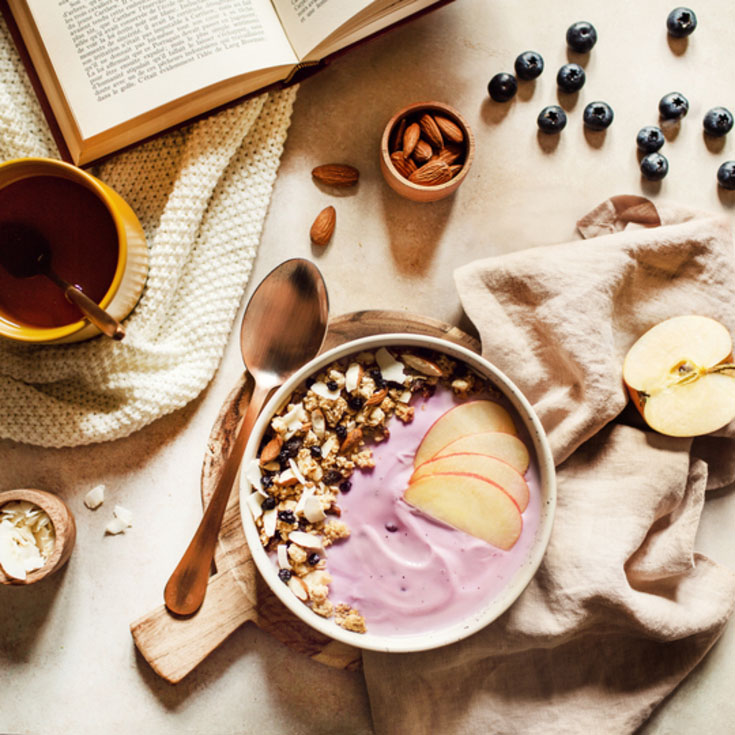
x: 469, y: 503
x: 466, y: 418
x: 487, y: 467
x: 681, y: 377
x: 498, y: 444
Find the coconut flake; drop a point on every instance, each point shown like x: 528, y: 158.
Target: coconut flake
x: 405, y: 397
x: 313, y: 511
x: 297, y: 472
x: 26, y: 538
x: 115, y: 526
x: 390, y: 368
x: 329, y: 445
x: 253, y: 474
x: 352, y: 377
x: 320, y: 389
x: 305, y: 495
x: 95, y: 497
x: 123, y: 514
x: 254, y: 501
x: 294, y: 420
x: 282, y: 552
x: 306, y: 540
x: 269, y: 521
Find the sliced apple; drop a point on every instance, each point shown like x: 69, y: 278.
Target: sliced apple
x: 681, y: 377
x: 469, y: 503
x: 498, y: 444
x: 466, y: 418
x: 490, y: 468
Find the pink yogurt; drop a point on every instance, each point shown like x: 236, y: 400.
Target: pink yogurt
x: 404, y: 571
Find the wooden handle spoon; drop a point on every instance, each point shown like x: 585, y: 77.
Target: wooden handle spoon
x: 283, y: 328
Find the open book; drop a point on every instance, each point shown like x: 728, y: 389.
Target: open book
x: 115, y: 72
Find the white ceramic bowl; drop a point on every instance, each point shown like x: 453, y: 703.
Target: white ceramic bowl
x: 541, y: 463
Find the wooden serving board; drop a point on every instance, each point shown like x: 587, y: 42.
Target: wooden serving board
x: 174, y: 645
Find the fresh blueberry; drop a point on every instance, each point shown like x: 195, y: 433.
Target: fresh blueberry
x: 650, y: 139
x: 552, y: 119
x: 681, y: 22
x: 726, y: 175
x: 529, y: 65
x: 654, y: 166
x: 313, y: 559
x: 570, y: 78
x: 673, y: 106
x: 718, y: 122
x: 581, y: 37
x: 598, y: 115
x: 502, y: 87
x: 269, y: 503
x: 284, y: 575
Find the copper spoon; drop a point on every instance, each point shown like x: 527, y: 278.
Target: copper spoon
x: 25, y: 252
x: 282, y: 329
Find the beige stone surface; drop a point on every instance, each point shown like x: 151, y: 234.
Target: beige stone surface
x: 66, y: 657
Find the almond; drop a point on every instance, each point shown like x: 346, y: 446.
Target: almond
x: 397, y: 136
x: 352, y: 440
x: 449, y: 130
x: 323, y: 227
x: 377, y: 398
x: 404, y: 166
x: 430, y: 130
x: 271, y: 450
x: 431, y: 174
x: 299, y: 588
x: 336, y: 174
x: 422, y: 152
x: 410, y: 138
x: 455, y: 169
x: 422, y: 365
x: 449, y: 154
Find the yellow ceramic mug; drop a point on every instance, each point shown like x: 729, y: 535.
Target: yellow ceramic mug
x: 94, y: 235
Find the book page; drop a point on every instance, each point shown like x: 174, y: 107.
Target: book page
x: 115, y: 60
x: 308, y: 22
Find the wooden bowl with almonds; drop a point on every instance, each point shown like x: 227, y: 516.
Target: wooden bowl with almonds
x: 426, y: 150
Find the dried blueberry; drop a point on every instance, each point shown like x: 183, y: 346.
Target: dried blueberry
x: 355, y: 402
x: 552, y: 119
x: 292, y: 446
x: 654, y: 166
x: 673, y: 106
x: 598, y: 115
x: 650, y: 139
x: 378, y: 379
x: 345, y: 486
x: 284, y: 575
x: 332, y: 385
x: 332, y: 477
x: 269, y: 503
x: 315, y: 451
x: 529, y: 65
x: 341, y: 432
x: 266, y: 481
x: 570, y: 78
x: 287, y: 516
x: 681, y: 22
x: 502, y: 87
x: 313, y: 559
x: 718, y: 122
x: 581, y: 36
x: 726, y: 175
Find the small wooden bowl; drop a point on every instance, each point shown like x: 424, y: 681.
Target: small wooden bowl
x: 65, y: 531
x: 399, y: 183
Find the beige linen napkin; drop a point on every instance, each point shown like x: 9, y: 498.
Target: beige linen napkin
x: 622, y: 607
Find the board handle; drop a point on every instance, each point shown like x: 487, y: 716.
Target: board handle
x: 175, y: 646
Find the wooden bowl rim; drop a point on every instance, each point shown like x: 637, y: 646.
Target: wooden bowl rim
x: 457, y: 117
x: 60, y: 516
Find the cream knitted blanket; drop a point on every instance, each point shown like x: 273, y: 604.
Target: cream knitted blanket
x: 201, y: 194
